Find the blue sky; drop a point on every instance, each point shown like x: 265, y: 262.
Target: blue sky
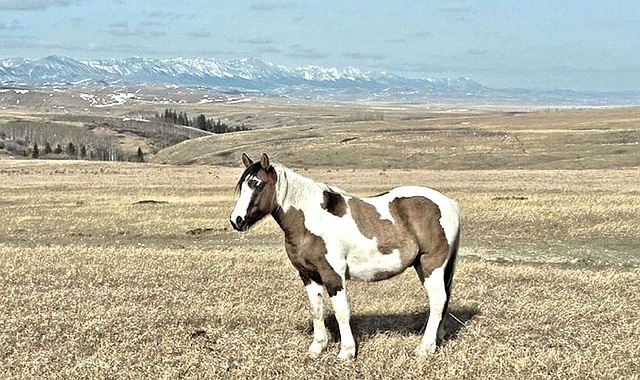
x: 544, y: 44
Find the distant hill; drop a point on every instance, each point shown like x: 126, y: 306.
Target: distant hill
x: 305, y: 82
x: 560, y: 139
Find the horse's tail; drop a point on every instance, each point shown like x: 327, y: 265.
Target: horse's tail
x: 449, y: 269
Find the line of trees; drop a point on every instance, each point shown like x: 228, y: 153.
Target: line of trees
x: 200, y: 122
x: 69, y: 151
x: 58, y: 142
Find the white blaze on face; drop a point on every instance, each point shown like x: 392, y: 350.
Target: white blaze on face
x: 242, y: 205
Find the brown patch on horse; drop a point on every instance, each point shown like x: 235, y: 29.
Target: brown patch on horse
x: 370, y: 225
x: 416, y: 231
x: 307, y: 252
x: 425, y: 225
x: 334, y: 203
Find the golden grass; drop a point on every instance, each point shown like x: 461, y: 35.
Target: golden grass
x: 97, y: 285
x: 134, y: 312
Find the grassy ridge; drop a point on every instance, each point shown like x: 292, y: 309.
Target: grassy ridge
x: 570, y: 139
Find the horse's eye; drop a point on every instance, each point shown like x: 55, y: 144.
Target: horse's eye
x: 260, y: 185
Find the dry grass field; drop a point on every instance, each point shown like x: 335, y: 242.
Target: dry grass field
x: 131, y: 271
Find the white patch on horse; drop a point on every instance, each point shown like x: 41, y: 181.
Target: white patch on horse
x: 242, y: 205
x: 381, y: 203
x: 365, y: 266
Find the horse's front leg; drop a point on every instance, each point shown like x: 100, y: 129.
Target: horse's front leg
x: 343, y: 315
x: 333, y: 276
x: 314, y: 291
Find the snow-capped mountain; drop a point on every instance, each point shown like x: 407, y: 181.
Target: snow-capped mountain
x: 253, y: 75
x: 243, y: 74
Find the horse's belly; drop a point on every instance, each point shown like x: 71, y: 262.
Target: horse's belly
x: 374, y: 266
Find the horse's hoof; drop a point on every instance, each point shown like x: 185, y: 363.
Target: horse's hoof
x: 316, y: 348
x: 425, y: 349
x: 347, y: 353
x: 313, y: 354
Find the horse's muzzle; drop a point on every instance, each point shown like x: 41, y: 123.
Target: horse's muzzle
x: 239, y: 224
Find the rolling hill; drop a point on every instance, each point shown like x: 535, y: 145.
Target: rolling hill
x: 568, y: 139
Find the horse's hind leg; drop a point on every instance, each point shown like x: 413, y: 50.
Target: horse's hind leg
x: 435, y: 286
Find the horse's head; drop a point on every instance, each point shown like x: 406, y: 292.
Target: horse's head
x: 257, y: 189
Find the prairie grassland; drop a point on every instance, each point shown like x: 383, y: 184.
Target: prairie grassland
x: 131, y: 271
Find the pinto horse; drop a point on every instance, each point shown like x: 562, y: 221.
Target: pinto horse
x: 331, y: 236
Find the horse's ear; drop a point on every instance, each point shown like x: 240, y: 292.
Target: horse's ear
x: 264, y: 161
x: 246, y: 160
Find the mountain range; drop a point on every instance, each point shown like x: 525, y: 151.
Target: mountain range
x: 256, y: 76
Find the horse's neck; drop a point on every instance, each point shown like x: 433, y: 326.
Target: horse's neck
x: 296, y: 196
x: 294, y: 190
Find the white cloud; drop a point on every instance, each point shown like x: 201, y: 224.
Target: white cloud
x: 366, y: 56
x: 56, y: 46
x: 13, y: 25
x: 142, y: 29
x: 298, y: 51
x: 256, y: 41
x: 166, y: 16
x: 26, y: 5
x: 201, y: 33
x: 456, y: 8
x: 476, y: 51
x: 271, y: 6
